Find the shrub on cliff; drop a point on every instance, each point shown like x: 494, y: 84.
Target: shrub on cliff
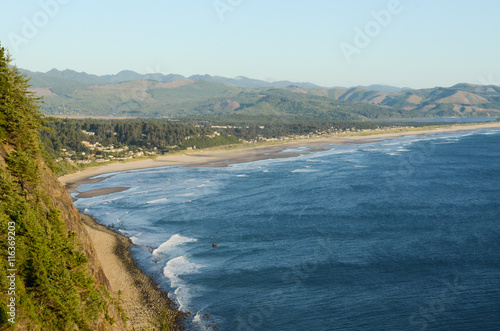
x: 44, y: 279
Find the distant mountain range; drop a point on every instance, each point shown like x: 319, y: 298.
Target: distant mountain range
x: 127, y: 76
x: 240, y: 81
x: 131, y: 94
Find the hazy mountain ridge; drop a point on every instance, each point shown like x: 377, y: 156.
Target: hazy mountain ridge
x: 131, y: 94
x: 128, y: 75
x: 240, y: 81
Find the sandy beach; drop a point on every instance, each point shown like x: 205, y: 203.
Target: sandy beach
x: 247, y: 153
x: 142, y: 299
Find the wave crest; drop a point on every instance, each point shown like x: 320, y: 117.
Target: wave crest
x: 173, y: 242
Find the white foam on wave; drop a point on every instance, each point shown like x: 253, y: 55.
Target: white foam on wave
x: 104, y: 202
x: 185, y: 195
x: 332, y: 151
x: 241, y: 175
x: 194, y: 187
x: 447, y: 142
x: 295, y: 150
x: 134, y: 236
x: 157, y: 201
x: 145, y: 192
x: 174, y: 270
x: 373, y: 149
x: 201, y: 322
x: 174, y: 241
x: 198, y: 318
x: 135, y: 239
x: 304, y: 170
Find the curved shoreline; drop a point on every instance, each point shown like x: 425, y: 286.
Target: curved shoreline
x: 112, y: 247
x: 249, y: 153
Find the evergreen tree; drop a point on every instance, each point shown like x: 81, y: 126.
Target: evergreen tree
x: 49, y: 279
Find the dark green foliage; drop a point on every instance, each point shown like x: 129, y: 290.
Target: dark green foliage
x: 254, y: 127
x: 23, y: 167
x: 158, y: 135
x: 54, y: 290
x: 205, y: 142
x: 17, y: 119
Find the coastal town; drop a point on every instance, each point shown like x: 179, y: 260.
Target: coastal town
x: 101, y: 153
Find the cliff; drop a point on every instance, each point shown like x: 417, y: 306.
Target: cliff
x: 50, y: 277
x: 57, y: 198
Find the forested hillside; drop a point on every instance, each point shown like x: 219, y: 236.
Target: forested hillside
x: 50, y: 277
x: 76, y: 143
x: 73, y: 144
x: 44, y: 250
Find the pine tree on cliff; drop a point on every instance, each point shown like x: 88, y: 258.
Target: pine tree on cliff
x: 45, y: 282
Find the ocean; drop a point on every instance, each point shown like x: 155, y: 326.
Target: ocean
x: 388, y: 234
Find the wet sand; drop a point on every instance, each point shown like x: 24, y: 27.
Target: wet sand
x: 99, y: 192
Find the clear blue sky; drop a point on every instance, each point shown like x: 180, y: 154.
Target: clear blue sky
x: 424, y: 43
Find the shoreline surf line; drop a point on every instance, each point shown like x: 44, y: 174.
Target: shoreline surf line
x: 231, y: 159
x: 145, y: 304
x: 249, y: 153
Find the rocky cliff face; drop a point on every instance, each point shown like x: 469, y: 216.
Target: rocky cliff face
x: 107, y: 319
x: 70, y: 215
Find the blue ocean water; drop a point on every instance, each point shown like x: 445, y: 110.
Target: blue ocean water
x: 394, y: 234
